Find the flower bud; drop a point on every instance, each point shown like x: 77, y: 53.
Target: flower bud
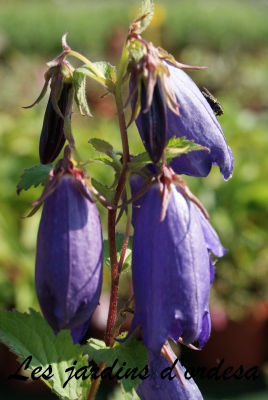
x: 52, y: 137
x: 154, y: 122
x: 68, y: 272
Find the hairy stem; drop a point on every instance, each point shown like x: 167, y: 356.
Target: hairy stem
x: 119, y: 190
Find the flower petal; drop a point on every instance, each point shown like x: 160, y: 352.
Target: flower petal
x: 157, y: 388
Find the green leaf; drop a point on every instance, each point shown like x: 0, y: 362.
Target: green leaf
x: 177, y: 146
x: 139, y: 161
x: 80, y: 93
x: 107, y: 70
x: 120, y: 394
x: 105, y: 160
x: 104, y: 190
x: 29, y: 334
x: 132, y: 352
x: 119, y: 238
x: 34, y: 176
x: 107, y: 74
x: 144, y: 17
x: 103, y: 147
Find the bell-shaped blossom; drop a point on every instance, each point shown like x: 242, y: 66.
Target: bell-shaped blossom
x: 171, y: 269
x: 196, y: 121
x: 159, y: 386
x: 68, y: 273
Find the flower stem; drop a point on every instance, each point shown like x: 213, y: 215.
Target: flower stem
x: 119, y: 190
x: 96, y: 383
x: 84, y: 59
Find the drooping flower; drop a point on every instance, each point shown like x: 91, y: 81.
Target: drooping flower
x: 52, y: 138
x: 197, y: 122
x: 188, y: 114
x: 157, y: 388
x: 68, y: 272
x: 171, y: 269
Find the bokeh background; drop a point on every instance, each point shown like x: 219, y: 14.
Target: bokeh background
x: 229, y: 36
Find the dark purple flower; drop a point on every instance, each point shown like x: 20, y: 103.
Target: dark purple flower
x: 171, y: 269
x: 68, y: 273
x: 196, y: 122
x: 157, y: 388
x: 154, y: 122
x: 52, y: 137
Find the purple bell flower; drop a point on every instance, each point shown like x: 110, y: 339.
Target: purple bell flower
x: 68, y: 273
x: 171, y: 269
x: 196, y: 122
x: 157, y: 388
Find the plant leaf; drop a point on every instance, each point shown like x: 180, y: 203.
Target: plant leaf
x: 107, y: 74
x: 80, y: 93
x: 177, y: 146
x: 144, y: 17
x: 102, y: 146
x: 138, y: 161
x: 34, y: 176
x: 105, y: 160
x: 106, y: 192
x: 29, y: 334
x: 131, y: 352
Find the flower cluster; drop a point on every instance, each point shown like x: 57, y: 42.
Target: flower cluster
x: 172, y: 267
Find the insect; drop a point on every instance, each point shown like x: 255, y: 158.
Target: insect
x: 214, y: 104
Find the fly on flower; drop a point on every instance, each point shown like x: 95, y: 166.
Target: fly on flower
x: 214, y: 104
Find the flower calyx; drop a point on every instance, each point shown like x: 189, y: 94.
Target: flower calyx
x: 63, y: 167
x: 58, y: 75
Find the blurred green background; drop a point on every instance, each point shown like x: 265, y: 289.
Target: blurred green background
x: 229, y: 36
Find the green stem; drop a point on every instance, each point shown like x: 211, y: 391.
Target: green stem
x: 84, y: 59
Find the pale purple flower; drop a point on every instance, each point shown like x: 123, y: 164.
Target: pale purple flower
x: 68, y: 273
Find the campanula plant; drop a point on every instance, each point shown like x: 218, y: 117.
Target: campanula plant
x: 173, y: 242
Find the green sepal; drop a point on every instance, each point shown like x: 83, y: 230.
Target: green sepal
x: 80, y: 93
x: 106, y: 192
x: 119, y: 238
x: 144, y: 17
x: 34, y: 176
x: 132, y: 352
x: 107, y: 74
x: 30, y: 335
